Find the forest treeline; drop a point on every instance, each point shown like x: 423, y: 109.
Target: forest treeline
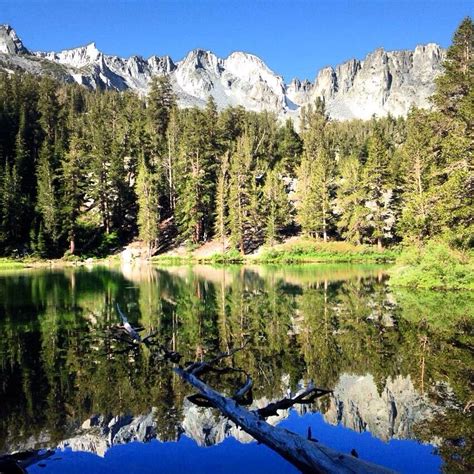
x: 84, y: 171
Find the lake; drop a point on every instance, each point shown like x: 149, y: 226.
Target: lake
x: 400, y: 364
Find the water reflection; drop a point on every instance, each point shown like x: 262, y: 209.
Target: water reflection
x: 400, y: 364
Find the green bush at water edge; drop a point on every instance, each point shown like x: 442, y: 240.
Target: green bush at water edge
x: 309, y: 250
x: 434, y: 266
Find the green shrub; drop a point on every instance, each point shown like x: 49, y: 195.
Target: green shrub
x: 231, y: 256
x: 435, y: 266
x: 69, y: 257
x: 108, y: 242
x: 309, y: 250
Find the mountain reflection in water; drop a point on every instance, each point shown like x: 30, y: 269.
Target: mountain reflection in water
x: 400, y: 363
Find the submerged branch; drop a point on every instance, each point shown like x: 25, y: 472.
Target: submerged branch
x: 127, y: 326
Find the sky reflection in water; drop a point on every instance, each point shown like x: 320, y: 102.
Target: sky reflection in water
x: 398, y: 362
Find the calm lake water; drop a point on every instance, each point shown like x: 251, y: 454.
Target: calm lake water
x: 400, y: 364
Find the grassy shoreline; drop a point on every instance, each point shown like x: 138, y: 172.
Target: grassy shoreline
x: 11, y: 263
x: 299, y: 251
x: 434, y: 266
x: 294, y: 252
x: 7, y: 263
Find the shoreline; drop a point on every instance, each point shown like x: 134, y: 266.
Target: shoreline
x: 19, y: 264
x: 295, y: 250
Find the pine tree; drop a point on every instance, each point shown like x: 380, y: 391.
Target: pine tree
x: 171, y: 164
x: 47, y: 199
x: 350, y: 200
x: 21, y: 175
x: 148, y: 206
x: 454, y: 98
x: 21, y: 149
x: 307, y: 197
x: 246, y: 199
x: 122, y: 157
x: 254, y: 230
x: 377, y: 189
x: 314, y: 117
x: 290, y: 147
x: 74, y: 181
x: 315, y: 191
x: 239, y: 192
x: 11, y: 201
x: 315, y: 176
x: 161, y: 102
x: 277, y: 207
x: 454, y: 88
x: 195, y: 183
x: 324, y: 181
x: 100, y: 193
x: 418, y: 173
x: 49, y: 109
x: 221, y: 205
x: 213, y: 151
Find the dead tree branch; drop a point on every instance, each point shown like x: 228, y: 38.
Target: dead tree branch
x: 308, y: 456
x: 308, y: 395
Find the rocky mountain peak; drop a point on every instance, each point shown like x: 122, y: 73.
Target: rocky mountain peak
x: 247, y: 58
x: 383, y: 82
x: 202, y: 59
x: 91, y: 50
x: 10, y: 43
x: 432, y: 49
x: 249, y: 67
x: 76, y: 57
x: 161, y: 64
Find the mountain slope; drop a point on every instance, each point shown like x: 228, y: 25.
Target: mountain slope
x: 384, y: 82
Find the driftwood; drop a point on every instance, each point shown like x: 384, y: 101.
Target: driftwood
x: 306, y: 454
x: 308, y: 395
x: 131, y: 331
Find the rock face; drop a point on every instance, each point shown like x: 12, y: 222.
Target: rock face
x: 358, y: 405
x: 99, y: 433
x: 355, y: 403
x: 202, y: 425
x: 9, y: 41
x: 384, y: 82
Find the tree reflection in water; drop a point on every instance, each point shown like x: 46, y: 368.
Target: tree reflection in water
x: 400, y: 364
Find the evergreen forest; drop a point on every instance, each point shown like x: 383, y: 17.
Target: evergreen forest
x: 83, y: 172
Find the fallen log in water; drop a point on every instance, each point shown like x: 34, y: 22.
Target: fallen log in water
x: 307, y: 455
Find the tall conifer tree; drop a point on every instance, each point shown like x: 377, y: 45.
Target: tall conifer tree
x: 377, y: 189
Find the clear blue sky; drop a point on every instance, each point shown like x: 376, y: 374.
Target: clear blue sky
x: 294, y: 37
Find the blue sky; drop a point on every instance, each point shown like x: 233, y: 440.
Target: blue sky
x: 294, y: 37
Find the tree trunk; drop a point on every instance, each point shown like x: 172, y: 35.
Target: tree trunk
x: 307, y: 455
